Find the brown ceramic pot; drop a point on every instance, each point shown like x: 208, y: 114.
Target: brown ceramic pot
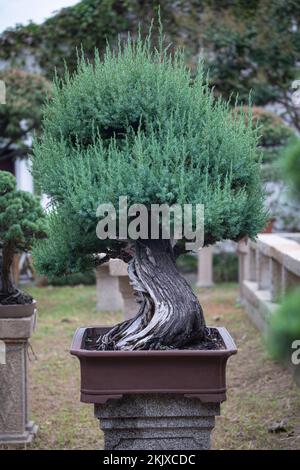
x: 17, y: 310
x: 112, y: 374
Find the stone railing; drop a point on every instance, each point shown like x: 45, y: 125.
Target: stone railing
x: 268, y: 269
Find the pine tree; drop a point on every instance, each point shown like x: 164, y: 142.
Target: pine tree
x: 22, y: 220
x: 137, y: 124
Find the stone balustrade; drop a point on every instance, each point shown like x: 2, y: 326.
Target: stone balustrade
x: 268, y: 269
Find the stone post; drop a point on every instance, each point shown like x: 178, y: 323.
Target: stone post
x: 109, y: 298
x: 205, y: 267
x: 289, y: 281
x: 264, y: 271
x: 157, y: 422
x: 15, y: 427
x: 118, y: 270
x: 244, y: 264
x: 276, y: 281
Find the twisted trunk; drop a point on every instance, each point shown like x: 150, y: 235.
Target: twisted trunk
x: 6, y: 284
x: 9, y: 294
x: 170, y: 315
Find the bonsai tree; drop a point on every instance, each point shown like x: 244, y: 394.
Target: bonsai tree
x: 137, y: 125
x: 21, y: 221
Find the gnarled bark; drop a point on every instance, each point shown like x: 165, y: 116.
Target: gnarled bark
x: 9, y: 294
x: 170, y: 315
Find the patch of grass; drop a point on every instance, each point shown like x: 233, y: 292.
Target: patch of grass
x: 259, y: 390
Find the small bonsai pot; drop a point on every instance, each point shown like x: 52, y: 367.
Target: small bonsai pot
x: 112, y: 374
x: 17, y: 310
x: 269, y: 227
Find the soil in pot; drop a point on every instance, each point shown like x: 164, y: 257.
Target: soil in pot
x: 212, y: 341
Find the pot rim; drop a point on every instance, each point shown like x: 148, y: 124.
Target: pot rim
x: 77, y: 350
x: 17, y: 310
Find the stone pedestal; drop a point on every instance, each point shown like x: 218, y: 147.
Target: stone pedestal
x: 118, y: 269
x: 157, y: 422
x: 15, y: 426
x: 205, y: 267
x: 130, y: 305
x: 109, y: 298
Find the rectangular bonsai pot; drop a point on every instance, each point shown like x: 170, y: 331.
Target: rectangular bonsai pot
x: 112, y: 374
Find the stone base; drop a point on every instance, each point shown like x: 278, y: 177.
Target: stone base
x: 24, y: 438
x: 14, y: 334
x: 157, y: 422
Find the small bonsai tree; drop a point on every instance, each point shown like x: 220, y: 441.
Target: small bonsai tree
x: 136, y: 124
x: 22, y: 220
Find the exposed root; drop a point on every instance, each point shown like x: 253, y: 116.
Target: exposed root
x: 170, y: 315
x: 16, y: 297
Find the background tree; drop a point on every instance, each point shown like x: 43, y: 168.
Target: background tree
x: 248, y: 45
x: 253, y: 45
x: 291, y: 166
x: 22, y: 113
x: 285, y: 322
x: 22, y: 220
x: 136, y: 124
x: 274, y: 134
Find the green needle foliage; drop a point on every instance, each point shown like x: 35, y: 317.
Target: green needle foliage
x: 22, y: 220
x: 137, y: 124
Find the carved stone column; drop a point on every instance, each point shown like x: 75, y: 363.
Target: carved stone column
x: 15, y: 426
x: 157, y: 422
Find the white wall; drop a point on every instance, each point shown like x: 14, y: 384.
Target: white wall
x: 23, y: 175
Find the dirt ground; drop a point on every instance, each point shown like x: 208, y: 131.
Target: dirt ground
x: 260, y: 392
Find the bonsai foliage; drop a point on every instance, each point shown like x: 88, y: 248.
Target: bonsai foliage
x: 21, y: 222
x: 22, y: 113
x: 136, y: 124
